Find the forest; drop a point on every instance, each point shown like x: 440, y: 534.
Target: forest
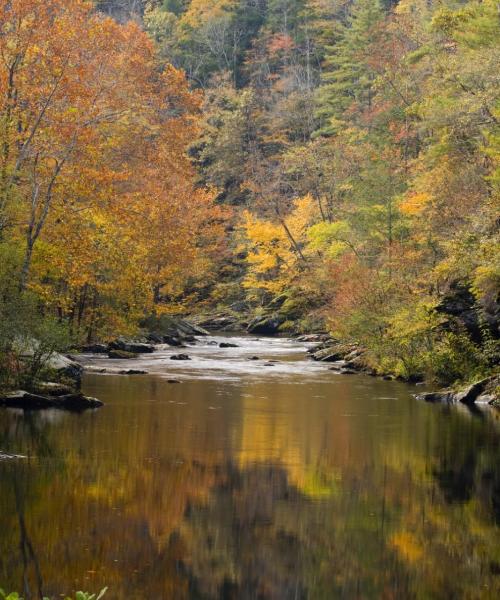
x: 334, y: 163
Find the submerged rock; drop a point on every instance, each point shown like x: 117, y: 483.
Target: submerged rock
x: 132, y: 372
x: 227, y: 345
x: 28, y: 401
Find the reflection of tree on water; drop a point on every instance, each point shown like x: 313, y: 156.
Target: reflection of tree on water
x: 21, y: 491
x: 235, y: 546
x: 28, y: 554
x: 184, y: 517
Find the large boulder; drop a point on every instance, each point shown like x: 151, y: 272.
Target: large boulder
x: 65, y: 366
x: 265, y: 325
x: 169, y: 325
x: 221, y: 322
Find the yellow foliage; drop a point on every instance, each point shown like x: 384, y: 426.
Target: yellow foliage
x: 415, y: 203
x: 407, y: 546
x: 200, y: 11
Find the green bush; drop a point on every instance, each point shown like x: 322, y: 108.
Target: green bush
x: 28, y: 340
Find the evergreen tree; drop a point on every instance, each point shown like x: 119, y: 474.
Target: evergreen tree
x: 347, y: 78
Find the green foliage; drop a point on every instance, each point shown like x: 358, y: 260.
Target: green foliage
x: 28, y: 340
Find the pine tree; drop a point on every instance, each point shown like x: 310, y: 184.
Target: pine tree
x: 347, y: 77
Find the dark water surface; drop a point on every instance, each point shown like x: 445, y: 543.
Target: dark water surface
x: 248, y: 481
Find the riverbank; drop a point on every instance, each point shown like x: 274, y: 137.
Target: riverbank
x: 128, y: 357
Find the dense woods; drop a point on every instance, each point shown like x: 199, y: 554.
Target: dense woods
x: 335, y: 159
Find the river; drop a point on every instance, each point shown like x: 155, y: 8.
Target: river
x: 250, y: 479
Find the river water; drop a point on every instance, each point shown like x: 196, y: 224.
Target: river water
x: 250, y: 479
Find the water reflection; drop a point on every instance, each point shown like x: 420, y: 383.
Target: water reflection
x: 336, y: 488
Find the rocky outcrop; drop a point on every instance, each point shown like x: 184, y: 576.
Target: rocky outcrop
x: 160, y: 327
x: 346, y: 359
x: 336, y: 351
x: 265, y: 325
x: 65, y: 367
x: 485, y: 391
x: 314, y: 338
x: 479, y: 319
x: 28, y: 401
x: 221, y: 322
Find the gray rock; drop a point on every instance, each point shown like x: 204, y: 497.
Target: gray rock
x: 333, y: 353
x: 65, y: 366
x: 180, y: 357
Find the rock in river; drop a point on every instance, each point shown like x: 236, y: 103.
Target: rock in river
x: 482, y: 391
x: 131, y: 346
x: 121, y: 354
x: 180, y: 357
x: 27, y: 401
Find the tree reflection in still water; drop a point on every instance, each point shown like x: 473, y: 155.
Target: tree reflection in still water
x: 264, y: 499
